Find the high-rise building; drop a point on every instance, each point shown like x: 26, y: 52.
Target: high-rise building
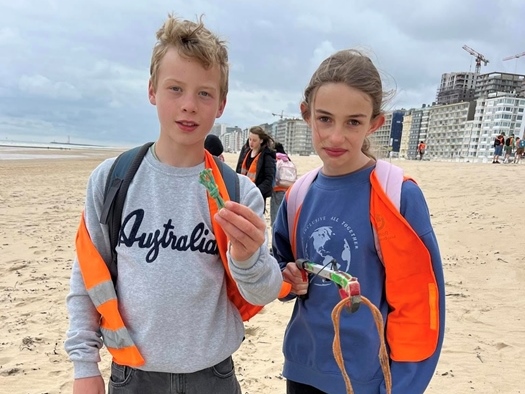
x: 447, y: 129
x: 386, y: 141
x: 294, y: 134
x: 456, y: 87
x: 497, y: 82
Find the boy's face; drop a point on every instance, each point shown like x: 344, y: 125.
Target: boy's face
x: 341, y: 118
x: 187, y: 97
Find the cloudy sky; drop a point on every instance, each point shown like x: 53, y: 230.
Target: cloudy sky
x: 80, y: 68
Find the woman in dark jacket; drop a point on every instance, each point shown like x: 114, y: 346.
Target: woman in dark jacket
x: 257, y: 162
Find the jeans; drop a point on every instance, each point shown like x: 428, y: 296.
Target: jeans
x: 275, y: 203
x: 219, y: 379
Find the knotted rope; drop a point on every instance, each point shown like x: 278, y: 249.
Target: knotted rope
x: 336, y: 347
x: 206, y: 178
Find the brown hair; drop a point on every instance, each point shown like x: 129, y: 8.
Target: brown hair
x: 193, y: 41
x: 354, y: 69
x: 265, y: 137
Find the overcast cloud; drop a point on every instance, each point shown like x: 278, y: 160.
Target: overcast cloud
x: 80, y: 68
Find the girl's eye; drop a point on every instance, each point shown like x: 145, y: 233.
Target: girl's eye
x: 323, y: 119
x: 175, y: 89
x: 354, y: 122
x: 205, y: 94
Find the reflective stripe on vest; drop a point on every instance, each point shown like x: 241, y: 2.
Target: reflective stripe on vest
x: 101, y: 291
x: 412, y: 328
x: 99, y: 286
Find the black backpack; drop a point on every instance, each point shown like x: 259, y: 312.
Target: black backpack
x: 119, y: 178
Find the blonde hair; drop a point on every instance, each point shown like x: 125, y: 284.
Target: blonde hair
x: 354, y: 69
x: 193, y: 41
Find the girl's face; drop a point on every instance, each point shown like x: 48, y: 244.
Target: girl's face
x: 341, y: 118
x: 255, y: 142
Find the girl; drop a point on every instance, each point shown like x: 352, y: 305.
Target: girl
x: 278, y: 190
x: 258, y: 161
x: 342, y: 106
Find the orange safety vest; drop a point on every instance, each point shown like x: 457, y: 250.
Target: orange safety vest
x: 412, y: 328
x: 252, y: 171
x: 101, y: 290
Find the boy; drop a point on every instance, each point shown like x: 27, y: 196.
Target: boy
x: 174, y: 327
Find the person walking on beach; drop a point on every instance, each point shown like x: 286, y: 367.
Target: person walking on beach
x: 520, y: 149
x: 187, y: 278
x: 498, y: 147
x: 421, y: 148
x: 258, y: 161
x: 342, y: 206
x: 509, y: 147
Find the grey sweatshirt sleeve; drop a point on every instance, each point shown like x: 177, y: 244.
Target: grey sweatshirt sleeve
x: 83, y: 340
x: 261, y: 282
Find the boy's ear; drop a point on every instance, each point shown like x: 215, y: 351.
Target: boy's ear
x: 376, y: 123
x: 152, y: 93
x: 222, y: 105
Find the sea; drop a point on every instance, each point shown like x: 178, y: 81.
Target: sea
x: 27, y: 150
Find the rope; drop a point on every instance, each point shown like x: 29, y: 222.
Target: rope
x: 336, y: 347
x: 206, y: 178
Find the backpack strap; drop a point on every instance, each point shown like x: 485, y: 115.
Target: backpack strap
x: 294, y: 201
x: 390, y: 177
x: 117, y: 184
x: 230, y: 178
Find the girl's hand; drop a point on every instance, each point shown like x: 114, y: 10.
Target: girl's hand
x: 297, y: 278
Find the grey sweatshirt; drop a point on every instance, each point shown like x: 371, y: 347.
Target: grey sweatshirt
x: 172, y: 299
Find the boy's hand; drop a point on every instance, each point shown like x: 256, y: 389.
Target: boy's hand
x: 244, y: 228
x: 92, y: 385
x: 297, y: 278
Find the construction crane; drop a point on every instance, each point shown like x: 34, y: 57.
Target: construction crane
x: 515, y: 57
x: 479, y: 57
x: 282, y: 116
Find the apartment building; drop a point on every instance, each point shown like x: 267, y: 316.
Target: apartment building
x: 386, y: 141
x: 456, y: 87
x: 498, y: 113
x: 496, y: 82
x: 405, y: 133
x: 295, y: 135
x: 447, y: 125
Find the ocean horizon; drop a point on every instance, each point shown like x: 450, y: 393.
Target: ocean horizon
x: 20, y: 150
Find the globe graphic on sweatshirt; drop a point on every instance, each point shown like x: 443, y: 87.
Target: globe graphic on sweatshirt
x: 325, y: 243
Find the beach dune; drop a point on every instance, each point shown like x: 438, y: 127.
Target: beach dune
x: 477, y: 211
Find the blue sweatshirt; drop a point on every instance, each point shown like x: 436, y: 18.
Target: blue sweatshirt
x: 335, y: 224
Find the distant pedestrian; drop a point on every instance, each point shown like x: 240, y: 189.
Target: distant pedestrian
x: 498, y: 147
x: 421, y: 148
x: 520, y: 149
x: 509, y: 147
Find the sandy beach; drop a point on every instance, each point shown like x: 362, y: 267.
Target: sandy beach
x: 477, y: 211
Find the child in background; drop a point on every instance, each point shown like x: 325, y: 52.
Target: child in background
x: 213, y: 144
x: 278, y: 190
x: 342, y: 105
x: 258, y: 161
x: 175, y: 326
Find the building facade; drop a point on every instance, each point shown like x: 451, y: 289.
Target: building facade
x: 456, y: 87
